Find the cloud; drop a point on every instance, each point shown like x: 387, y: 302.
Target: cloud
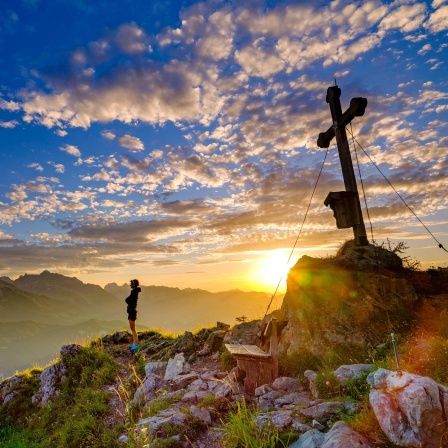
x: 136, y: 232
x: 36, y: 166
x: 8, y: 124
x: 407, y: 18
x: 61, y: 132
x: 133, y: 143
x: 438, y: 21
x: 258, y: 61
x: 424, y: 49
x: 72, y: 150
x: 130, y: 39
x: 9, y: 105
x: 108, y: 134
x: 59, y: 168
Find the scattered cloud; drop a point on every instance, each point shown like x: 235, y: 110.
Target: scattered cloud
x: 59, y: 167
x: 438, y: 21
x: 36, y: 166
x: 9, y: 105
x: 108, y: 134
x: 219, y: 114
x: 424, y: 49
x: 8, y: 124
x: 132, y: 143
x: 72, y: 150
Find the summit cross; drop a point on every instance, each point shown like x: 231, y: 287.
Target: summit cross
x: 345, y: 204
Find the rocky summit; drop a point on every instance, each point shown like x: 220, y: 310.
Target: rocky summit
x: 342, y: 381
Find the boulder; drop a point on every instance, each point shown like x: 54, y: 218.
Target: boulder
x: 183, y: 380
x: 286, y: 384
x: 340, y: 436
x: 186, y: 344
x: 175, y: 367
x: 245, y: 333
x: 157, y: 368
x: 213, y: 342
x: 7, y: 386
x: 298, y: 398
x: 368, y: 257
x: 311, y: 439
x: 201, y: 414
x: 50, y: 380
x: 281, y: 419
x: 410, y: 409
x: 352, y: 371
x: 327, y: 409
x: 170, y: 416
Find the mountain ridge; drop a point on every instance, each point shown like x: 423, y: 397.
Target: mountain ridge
x: 71, y: 302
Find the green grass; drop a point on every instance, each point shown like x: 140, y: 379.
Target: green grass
x: 330, y: 387
x: 241, y: 431
x: 11, y: 437
x: 294, y: 364
x: 75, y: 418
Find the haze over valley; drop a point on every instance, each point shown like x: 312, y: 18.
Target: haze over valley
x: 39, y: 313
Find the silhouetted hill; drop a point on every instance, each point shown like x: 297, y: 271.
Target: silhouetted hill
x: 39, y: 313
x: 16, y: 304
x: 93, y: 300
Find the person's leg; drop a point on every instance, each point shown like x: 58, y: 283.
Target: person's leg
x: 134, y: 332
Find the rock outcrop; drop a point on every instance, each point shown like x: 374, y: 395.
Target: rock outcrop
x: 347, y: 303
x: 411, y: 410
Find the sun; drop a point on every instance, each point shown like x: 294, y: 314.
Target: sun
x: 272, y: 270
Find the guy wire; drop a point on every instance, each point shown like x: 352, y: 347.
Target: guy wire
x: 398, y: 194
x: 300, y: 231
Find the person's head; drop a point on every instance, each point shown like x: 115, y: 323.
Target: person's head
x: 134, y: 283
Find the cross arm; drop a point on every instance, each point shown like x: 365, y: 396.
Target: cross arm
x: 356, y: 109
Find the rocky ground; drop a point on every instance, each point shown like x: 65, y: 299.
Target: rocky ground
x: 185, y: 400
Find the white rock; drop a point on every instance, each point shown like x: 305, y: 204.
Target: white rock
x: 409, y: 408
x: 175, y: 367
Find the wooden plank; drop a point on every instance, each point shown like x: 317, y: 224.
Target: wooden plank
x: 252, y: 351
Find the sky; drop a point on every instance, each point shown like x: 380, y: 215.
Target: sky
x: 175, y: 141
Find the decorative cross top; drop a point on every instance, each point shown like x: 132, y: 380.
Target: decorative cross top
x: 345, y: 204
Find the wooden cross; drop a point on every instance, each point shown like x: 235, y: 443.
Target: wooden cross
x: 345, y: 204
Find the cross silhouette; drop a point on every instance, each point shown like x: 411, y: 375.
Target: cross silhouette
x: 345, y: 204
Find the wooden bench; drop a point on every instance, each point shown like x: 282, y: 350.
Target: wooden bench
x: 254, y: 366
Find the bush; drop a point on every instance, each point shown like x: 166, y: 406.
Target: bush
x: 227, y: 362
x: 296, y: 363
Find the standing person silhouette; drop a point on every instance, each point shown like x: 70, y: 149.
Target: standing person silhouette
x: 132, y: 311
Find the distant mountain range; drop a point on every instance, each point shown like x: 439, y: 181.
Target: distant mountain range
x: 39, y: 313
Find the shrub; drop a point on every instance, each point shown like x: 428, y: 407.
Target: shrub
x: 294, y: 364
x: 227, y: 362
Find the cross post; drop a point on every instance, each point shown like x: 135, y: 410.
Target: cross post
x: 346, y: 204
